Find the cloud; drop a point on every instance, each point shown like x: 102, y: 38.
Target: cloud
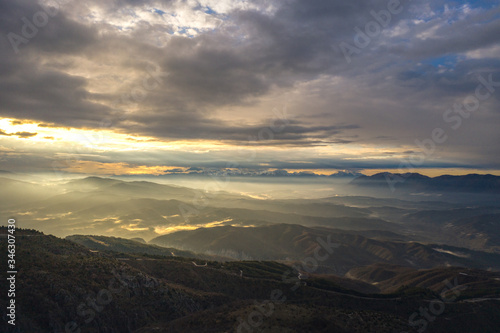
x: 5, y: 149
x: 22, y: 135
x: 214, y: 71
x: 91, y: 167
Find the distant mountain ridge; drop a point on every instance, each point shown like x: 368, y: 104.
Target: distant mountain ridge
x: 128, y: 209
x: 415, y: 181
x: 222, y: 172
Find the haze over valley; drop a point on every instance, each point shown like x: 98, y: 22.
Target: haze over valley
x: 207, y: 253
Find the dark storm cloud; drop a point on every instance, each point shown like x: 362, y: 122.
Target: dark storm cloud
x: 205, y: 71
x: 192, y: 125
x: 242, y: 62
x: 297, y: 42
x: 53, y: 96
x: 30, y: 90
x: 232, y: 159
x: 397, y: 86
x: 54, y: 33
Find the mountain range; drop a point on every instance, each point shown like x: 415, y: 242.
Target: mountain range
x: 67, y: 286
x: 472, y: 183
x: 136, y: 256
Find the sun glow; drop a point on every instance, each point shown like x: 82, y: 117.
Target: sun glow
x: 97, y: 139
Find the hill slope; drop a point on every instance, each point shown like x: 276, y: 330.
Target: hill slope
x: 295, y: 242
x: 62, y: 283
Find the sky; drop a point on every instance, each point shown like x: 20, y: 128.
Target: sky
x: 131, y: 87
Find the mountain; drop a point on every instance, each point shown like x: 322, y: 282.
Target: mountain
x: 319, y: 208
x: 113, y: 207
x: 130, y: 209
x: 442, y: 217
x: 390, y: 278
x: 15, y: 191
x: 294, y: 242
x: 222, y: 172
x: 474, y: 228
x: 345, y: 174
x: 130, y: 246
x: 116, y: 244
x: 238, y: 215
x: 478, y: 232
x: 91, y: 183
x: 376, y: 202
x: 131, y: 189
x: 64, y: 286
x: 140, y: 240
x: 61, y: 284
x: 472, y: 183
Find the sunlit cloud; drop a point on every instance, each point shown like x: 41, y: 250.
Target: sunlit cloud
x: 97, y: 168
x: 148, y: 86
